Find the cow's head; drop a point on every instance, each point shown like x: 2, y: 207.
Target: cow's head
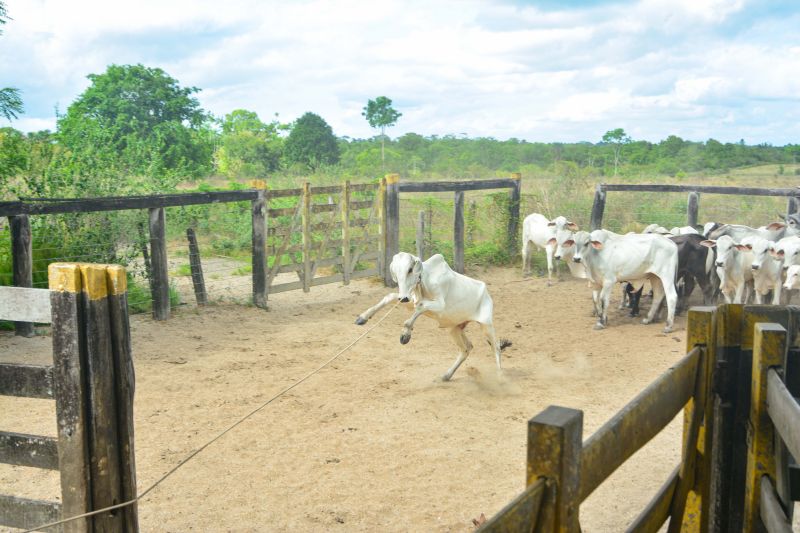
x: 761, y: 251
x: 792, y: 225
x: 561, y: 223
x: 563, y: 242
x: 726, y: 249
x: 581, y: 241
x: 407, y: 273
x: 792, y: 278
x: 788, y: 252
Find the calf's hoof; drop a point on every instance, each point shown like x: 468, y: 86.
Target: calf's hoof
x: 446, y: 377
x: 404, y: 338
x: 599, y: 326
x: 646, y: 321
x: 632, y: 314
x: 360, y: 321
x: 668, y: 329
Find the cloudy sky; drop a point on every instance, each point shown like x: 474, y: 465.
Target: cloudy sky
x: 543, y: 70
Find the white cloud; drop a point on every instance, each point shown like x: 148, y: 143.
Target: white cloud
x: 656, y: 67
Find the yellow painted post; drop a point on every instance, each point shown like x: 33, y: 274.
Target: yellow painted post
x: 769, y: 350
x: 306, y: 237
x: 554, y: 453
x: 345, y: 199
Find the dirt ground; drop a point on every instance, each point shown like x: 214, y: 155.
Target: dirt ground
x: 375, y: 442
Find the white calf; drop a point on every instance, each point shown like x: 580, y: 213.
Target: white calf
x: 538, y: 231
x: 767, y: 275
x: 633, y: 257
x: 733, y: 268
x: 792, y: 278
x: 433, y: 289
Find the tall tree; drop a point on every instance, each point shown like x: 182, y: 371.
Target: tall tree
x: 617, y: 138
x: 311, y: 143
x: 10, y: 101
x: 142, y: 121
x: 380, y: 114
x: 249, y: 147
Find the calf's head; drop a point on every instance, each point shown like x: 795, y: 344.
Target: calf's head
x: 406, y: 272
x: 792, y: 278
x: 726, y: 249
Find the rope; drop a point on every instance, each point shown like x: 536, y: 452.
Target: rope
x: 212, y: 441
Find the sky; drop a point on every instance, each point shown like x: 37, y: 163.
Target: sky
x: 542, y: 71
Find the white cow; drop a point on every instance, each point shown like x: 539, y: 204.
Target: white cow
x: 632, y: 257
x: 655, y: 228
x: 537, y: 231
x: 772, y: 232
x: 733, y: 268
x: 683, y: 230
x: 787, y: 250
x: 792, y: 278
x: 433, y: 289
x: 767, y: 271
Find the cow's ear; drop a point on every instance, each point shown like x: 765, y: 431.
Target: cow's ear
x: 597, y: 245
x: 551, y: 223
x: 708, y: 243
x: 741, y: 247
x: 773, y: 252
x: 552, y: 241
x: 749, y: 246
x: 572, y: 226
x: 569, y: 243
x: 776, y: 225
x: 417, y: 266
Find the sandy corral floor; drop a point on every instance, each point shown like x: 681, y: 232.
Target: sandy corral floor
x: 374, y: 442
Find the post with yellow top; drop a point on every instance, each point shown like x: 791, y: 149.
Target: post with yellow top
x: 392, y: 225
x: 769, y: 350
x: 554, y: 453
x: 93, y: 384
x: 513, y: 214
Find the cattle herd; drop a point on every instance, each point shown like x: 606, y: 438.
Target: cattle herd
x: 738, y: 262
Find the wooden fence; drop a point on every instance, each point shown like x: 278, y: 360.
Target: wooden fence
x: 731, y: 476
x: 693, y: 200
x: 92, y: 382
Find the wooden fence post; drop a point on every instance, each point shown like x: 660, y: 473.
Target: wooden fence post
x: 598, y: 207
x: 554, y: 452
x: 124, y: 384
x: 159, y: 283
x: 769, y: 348
x: 345, y: 202
x: 198, y: 282
x: 421, y: 235
x: 692, y: 207
x: 306, y: 213
x: 259, y: 254
x: 792, y: 205
x: 392, y: 225
x: 71, y: 396
x: 458, y: 232
x: 513, y: 215
x: 22, y: 263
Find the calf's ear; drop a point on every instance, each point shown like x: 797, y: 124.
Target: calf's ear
x: 776, y: 225
x: 708, y: 243
x: 569, y: 243
x: 741, y: 247
x: 417, y: 266
x: 552, y: 241
x: 597, y: 245
x: 551, y: 223
x: 572, y: 226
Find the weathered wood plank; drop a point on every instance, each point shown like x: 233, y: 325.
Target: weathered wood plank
x: 27, y: 514
x: 259, y: 251
x: 657, y: 511
x: 636, y: 423
x: 346, y: 244
x: 23, y: 304
x: 27, y: 381
x: 519, y: 515
x: 326, y: 189
x: 28, y: 450
x: 21, y: 263
x: 771, y: 512
x: 124, y: 388
x: 70, y: 393
x: 458, y: 232
x: 284, y: 193
x: 598, y: 208
x: 159, y: 282
x: 118, y: 203
x: 196, y: 266
x: 360, y: 187
x: 711, y: 189
x: 307, y: 242
x: 391, y: 235
x: 453, y: 186
x: 513, y: 216
x: 692, y: 208
x: 784, y: 412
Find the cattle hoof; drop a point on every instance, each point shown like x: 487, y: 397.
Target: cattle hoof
x: 599, y: 326
x: 404, y: 338
x: 646, y: 321
x: 668, y: 329
x: 361, y: 321
x: 632, y: 314
x: 446, y: 377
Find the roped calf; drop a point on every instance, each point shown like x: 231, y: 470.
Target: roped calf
x: 538, y: 232
x: 433, y: 289
x: 631, y: 257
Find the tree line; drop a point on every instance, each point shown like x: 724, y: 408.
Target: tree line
x: 135, y: 129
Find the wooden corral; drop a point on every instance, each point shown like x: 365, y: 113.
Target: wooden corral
x: 92, y: 382
x: 734, y: 474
